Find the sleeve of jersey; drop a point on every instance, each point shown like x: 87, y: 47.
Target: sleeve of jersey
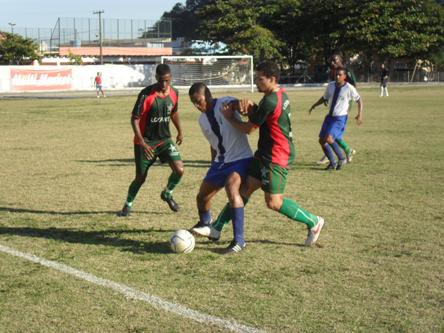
x: 176, y: 104
x: 326, y: 95
x: 139, y: 106
x: 354, y: 94
x: 266, y: 107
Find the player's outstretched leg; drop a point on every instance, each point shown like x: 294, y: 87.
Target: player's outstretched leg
x: 314, y: 223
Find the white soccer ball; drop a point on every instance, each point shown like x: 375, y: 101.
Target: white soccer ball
x: 182, y: 241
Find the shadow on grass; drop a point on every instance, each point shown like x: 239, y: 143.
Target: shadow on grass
x: 125, y: 161
x: 99, y: 237
x: 52, y: 212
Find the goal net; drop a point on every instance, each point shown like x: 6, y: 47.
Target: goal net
x: 214, y: 71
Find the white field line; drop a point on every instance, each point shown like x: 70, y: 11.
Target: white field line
x: 135, y: 294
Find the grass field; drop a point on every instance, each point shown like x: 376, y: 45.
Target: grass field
x: 65, y: 169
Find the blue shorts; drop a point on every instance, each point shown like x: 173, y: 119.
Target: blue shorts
x: 334, y: 126
x: 219, y: 171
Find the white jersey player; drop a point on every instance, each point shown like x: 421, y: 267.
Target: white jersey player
x: 231, y: 156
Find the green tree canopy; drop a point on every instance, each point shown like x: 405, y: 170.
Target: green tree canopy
x: 14, y: 49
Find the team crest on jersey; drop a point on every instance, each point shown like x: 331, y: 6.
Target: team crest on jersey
x: 169, y: 108
x: 173, y: 150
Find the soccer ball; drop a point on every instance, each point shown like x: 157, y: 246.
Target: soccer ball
x: 182, y: 241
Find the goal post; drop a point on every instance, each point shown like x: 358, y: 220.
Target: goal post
x: 214, y: 71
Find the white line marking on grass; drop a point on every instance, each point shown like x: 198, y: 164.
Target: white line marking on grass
x: 135, y: 294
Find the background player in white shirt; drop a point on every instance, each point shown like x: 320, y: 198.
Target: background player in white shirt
x: 230, y: 157
x: 339, y: 93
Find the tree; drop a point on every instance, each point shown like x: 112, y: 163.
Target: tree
x: 395, y: 29
x: 237, y: 24
x: 184, y: 19
x: 14, y: 49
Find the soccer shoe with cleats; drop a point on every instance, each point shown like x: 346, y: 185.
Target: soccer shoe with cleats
x: 206, y: 231
x: 323, y: 160
x: 330, y: 167
x: 350, y: 155
x: 126, y: 210
x: 234, y: 247
x: 170, y: 201
x: 313, y: 233
x: 341, y: 163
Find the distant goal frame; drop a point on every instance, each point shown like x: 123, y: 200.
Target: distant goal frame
x: 249, y: 86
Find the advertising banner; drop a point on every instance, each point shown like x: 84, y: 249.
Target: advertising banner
x: 40, y: 79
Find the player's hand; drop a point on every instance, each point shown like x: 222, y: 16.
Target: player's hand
x: 227, y: 111
x: 358, y: 119
x: 311, y: 109
x: 179, y: 138
x: 246, y: 107
x: 149, y: 152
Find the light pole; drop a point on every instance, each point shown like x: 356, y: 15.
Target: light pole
x: 100, y: 12
x: 12, y: 27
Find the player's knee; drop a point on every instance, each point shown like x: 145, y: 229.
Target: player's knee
x: 273, y: 204
x: 179, y: 171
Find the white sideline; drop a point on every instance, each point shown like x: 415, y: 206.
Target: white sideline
x: 135, y: 294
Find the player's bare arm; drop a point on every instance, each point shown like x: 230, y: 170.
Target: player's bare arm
x: 136, y: 129
x: 360, y: 112
x: 319, y: 102
x: 245, y: 127
x: 176, y: 121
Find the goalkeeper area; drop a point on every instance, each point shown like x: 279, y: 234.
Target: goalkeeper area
x: 214, y: 71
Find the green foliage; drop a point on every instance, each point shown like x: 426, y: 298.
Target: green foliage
x: 75, y: 59
x: 238, y: 25
x: 17, y: 50
x: 394, y: 29
x: 311, y: 30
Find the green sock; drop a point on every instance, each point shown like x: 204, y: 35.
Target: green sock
x: 132, y: 191
x: 343, y: 145
x: 173, y: 180
x: 225, y: 216
x: 292, y: 210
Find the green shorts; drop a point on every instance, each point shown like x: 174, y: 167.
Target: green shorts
x: 272, y: 176
x: 165, y: 150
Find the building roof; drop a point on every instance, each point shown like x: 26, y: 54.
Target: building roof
x: 116, y: 51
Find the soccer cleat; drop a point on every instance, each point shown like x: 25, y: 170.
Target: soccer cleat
x: 341, y: 163
x: 126, y: 210
x: 170, y: 201
x: 323, y: 160
x: 234, y: 247
x: 206, y: 231
x: 313, y: 233
x: 330, y: 167
x: 350, y: 155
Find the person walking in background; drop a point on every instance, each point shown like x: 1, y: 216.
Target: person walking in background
x: 98, y: 84
x: 155, y: 106
x: 384, y: 79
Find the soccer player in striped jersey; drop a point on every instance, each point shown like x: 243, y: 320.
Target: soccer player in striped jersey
x: 230, y: 157
x: 275, y: 151
x: 156, y: 105
x: 336, y: 63
x: 339, y: 94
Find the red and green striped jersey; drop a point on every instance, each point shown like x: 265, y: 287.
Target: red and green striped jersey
x: 275, y: 137
x: 153, y: 112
